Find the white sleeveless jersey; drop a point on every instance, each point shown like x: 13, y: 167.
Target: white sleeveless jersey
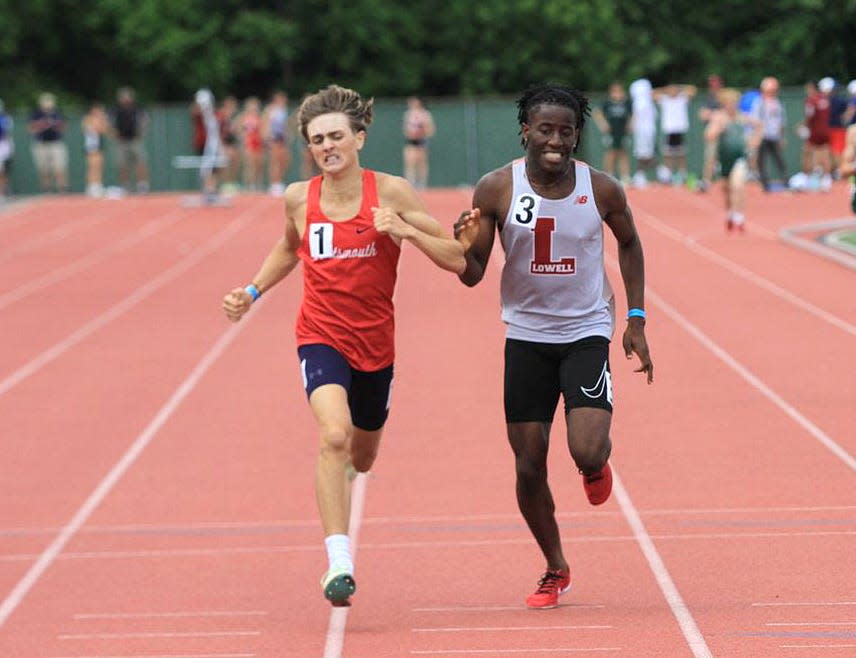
x: 554, y: 286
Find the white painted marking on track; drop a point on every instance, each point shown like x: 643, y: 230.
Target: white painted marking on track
x: 811, y: 623
x: 818, y: 646
x: 56, y: 235
x: 335, y: 639
x: 315, y: 548
x: 170, y: 655
x: 505, y: 629
x: 775, y: 604
x: 150, y: 528
x: 62, y: 273
x: 724, y: 356
x: 681, y: 612
x: 155, y: 634
x: 747, y: 275
x: 141, y: 293
x: 495, y: 608
x: 502, y: 652
x: 50, y: 554
x: 169, y: 615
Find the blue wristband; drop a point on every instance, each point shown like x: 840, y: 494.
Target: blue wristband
x: 253, y: 291
x: 635, y: 313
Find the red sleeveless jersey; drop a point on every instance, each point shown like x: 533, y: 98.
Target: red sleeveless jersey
x: 349, y: 272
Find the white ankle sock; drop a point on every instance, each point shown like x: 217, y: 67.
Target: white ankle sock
x: 339, y: 551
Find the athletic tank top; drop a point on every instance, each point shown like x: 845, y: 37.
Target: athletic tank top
x: 349, y: 273
x: 554, y: 287
x: 732, y: 142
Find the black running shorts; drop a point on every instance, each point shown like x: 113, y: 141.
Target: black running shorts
x: 368, y: 392
x: 536, y: 373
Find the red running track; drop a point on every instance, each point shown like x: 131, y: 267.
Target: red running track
x: 157, y: 461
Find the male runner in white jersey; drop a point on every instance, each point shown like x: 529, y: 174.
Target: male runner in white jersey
x: 558, y: 306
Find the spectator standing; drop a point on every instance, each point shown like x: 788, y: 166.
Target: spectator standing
x: 770, y: 112
x: 7, y: 150
x: 613, y: 119
x: 711, y: 105
x: 644, y: 130
x: 129, y: 125
x: 95, y: 126
x: 816, y: 119
x: 838, y: 103
x: 50, y: 153
x: 249, y: 126
x: 275, y: 131
x: 418, y: 127
x: 229, y: 140
x: 674, y: 101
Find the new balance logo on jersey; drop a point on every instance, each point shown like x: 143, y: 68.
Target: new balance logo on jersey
x: 581, y: 200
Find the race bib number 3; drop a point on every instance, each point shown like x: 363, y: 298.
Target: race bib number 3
x: 321, y: 240
x: 525, y: 210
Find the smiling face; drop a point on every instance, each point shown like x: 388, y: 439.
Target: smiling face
x: 550, y: 136
x: 333, y: 143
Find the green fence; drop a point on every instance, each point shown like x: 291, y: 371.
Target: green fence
x: 473, y: 137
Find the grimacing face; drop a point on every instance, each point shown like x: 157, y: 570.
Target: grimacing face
x: 332, y: 141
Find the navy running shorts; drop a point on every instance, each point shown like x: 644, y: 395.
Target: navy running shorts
x: 536, y: 373
x: 368, y: 392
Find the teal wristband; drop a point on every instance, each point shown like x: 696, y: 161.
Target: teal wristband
x: 253, y: 291
x: 635, y: 313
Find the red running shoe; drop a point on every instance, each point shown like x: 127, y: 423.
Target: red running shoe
x: 551, y: 585
x: 598, y: 486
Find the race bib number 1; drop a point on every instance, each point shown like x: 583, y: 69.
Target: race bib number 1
x: 321, y: 240
x: 525, y: 210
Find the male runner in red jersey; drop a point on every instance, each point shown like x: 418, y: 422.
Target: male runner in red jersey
x: 346, y: 226
x: 549, y: 210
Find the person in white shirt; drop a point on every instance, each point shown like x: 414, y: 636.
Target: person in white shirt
x: 674, y: 101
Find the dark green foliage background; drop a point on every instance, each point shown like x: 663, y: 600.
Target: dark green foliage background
x: 166, y: 49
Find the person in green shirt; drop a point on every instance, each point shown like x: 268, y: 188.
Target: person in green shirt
x: 730, y: 132
x: 613, y: 119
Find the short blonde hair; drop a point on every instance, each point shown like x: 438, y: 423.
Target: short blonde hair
x: 334, y: 98
x: 728, y: 95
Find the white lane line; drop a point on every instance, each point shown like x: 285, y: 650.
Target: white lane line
x: 170, y: 655
x: 62, y: 273
x: 777, y: 604
x: 822, y: 437
x: 312, y: 524
x: 335, y: 639
x: 141, y: 293
x: 56, y: 235
x: 153, y: 635
x: 747, y: 275
x: 811, y: 623
x: 50, y: 554
x: 495, y: 608
x: 818, y: 646
x: 315, y: 548
x: 503, y: 652
x: 504, y: 629
x: 169, y: 615
x: 681, y: 612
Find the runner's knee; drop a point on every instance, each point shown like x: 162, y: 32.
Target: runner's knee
x: 335, y: 438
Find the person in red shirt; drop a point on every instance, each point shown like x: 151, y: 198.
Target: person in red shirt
x: 816, y: 108
x: 346, y: 226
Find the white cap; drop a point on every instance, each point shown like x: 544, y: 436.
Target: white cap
x: 826, y: 85
x: 204, y: 98
x: 851, y: 88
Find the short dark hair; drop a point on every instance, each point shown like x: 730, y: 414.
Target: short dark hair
x: 551, y: 94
